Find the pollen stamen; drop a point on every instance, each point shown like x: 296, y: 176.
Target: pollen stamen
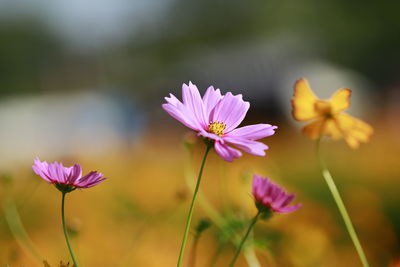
x: 217, y: 128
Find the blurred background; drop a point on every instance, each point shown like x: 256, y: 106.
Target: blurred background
x: 84, y: 82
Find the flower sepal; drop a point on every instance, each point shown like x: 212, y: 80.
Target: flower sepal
x: 265, y: 212
x: 65, y: 188
x: 203, y: 225
x: 209, y: 142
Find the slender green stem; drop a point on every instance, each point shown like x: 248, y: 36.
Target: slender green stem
x: 66, y: 232
x: 342, y: 208
x: 239, y: 248
x: 189, y: 217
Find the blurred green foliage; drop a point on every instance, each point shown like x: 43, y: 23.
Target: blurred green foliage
x: 361, y: 36
x: 26, y: 53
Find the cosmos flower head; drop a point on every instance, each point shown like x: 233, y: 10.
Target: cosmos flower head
x: 270, y: 197
x: 216, y: 118
x: 327, y: 116
x: 66, y: 179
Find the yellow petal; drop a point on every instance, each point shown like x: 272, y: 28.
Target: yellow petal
x: 340, y: 100
x: 314, y: 129
x: 303, y: 101
x: 354, y: 130
x: 331, y: 129
x: 327, y: 127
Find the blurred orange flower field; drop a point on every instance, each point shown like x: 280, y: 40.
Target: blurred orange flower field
x: 135, y: 218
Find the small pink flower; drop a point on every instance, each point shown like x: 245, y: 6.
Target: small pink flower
x: 271, y: 197
x: 66, y: 179
x: 216, y: 117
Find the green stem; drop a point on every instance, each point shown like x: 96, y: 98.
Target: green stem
x: 189, y: 217
x: 239, y: 248
x: 342, y: 208
x: 65, y: 231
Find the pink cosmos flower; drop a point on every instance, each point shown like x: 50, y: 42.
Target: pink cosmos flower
x: 66, y: 179
x: 216, y: 117
x: 271, y: 197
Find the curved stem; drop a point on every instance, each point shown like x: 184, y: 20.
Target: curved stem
x: 65, y: 231
x: 239, y: 248
x: 342, y: 208
x: 189, y: 217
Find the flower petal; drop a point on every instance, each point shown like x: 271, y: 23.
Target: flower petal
x: 303, y: 101
x: 340, y: 100
x: 181, y: 114
x: 194, y: 103
x: 284, y: 200
x: 226, y: 152
x: 354, y: 130
x: 249, y: 146
x: 254, y: 132
x: 41, y: 169
x: 257, y: 180
x: 289, y: 209
x: 262, y: 189
x: 231, y: 111
x: 210, y: 100
x: 91, y: 179
x: 75, y: 173
x: 56, y: 172
x: 331, y: 129
x: 314, y: 129
x: 173, y: 100
x: 211, y: 136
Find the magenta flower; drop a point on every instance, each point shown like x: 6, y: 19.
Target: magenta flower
x: 216, y: 117
x: 271, y: 197
x: 66, y: 179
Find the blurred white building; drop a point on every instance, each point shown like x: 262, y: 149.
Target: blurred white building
x: 53, y: 126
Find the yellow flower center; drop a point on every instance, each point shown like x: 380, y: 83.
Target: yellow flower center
x: 323, y: 108
x: 217, y: 128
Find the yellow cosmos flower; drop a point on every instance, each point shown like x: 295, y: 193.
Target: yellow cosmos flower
x: 328, y: 116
